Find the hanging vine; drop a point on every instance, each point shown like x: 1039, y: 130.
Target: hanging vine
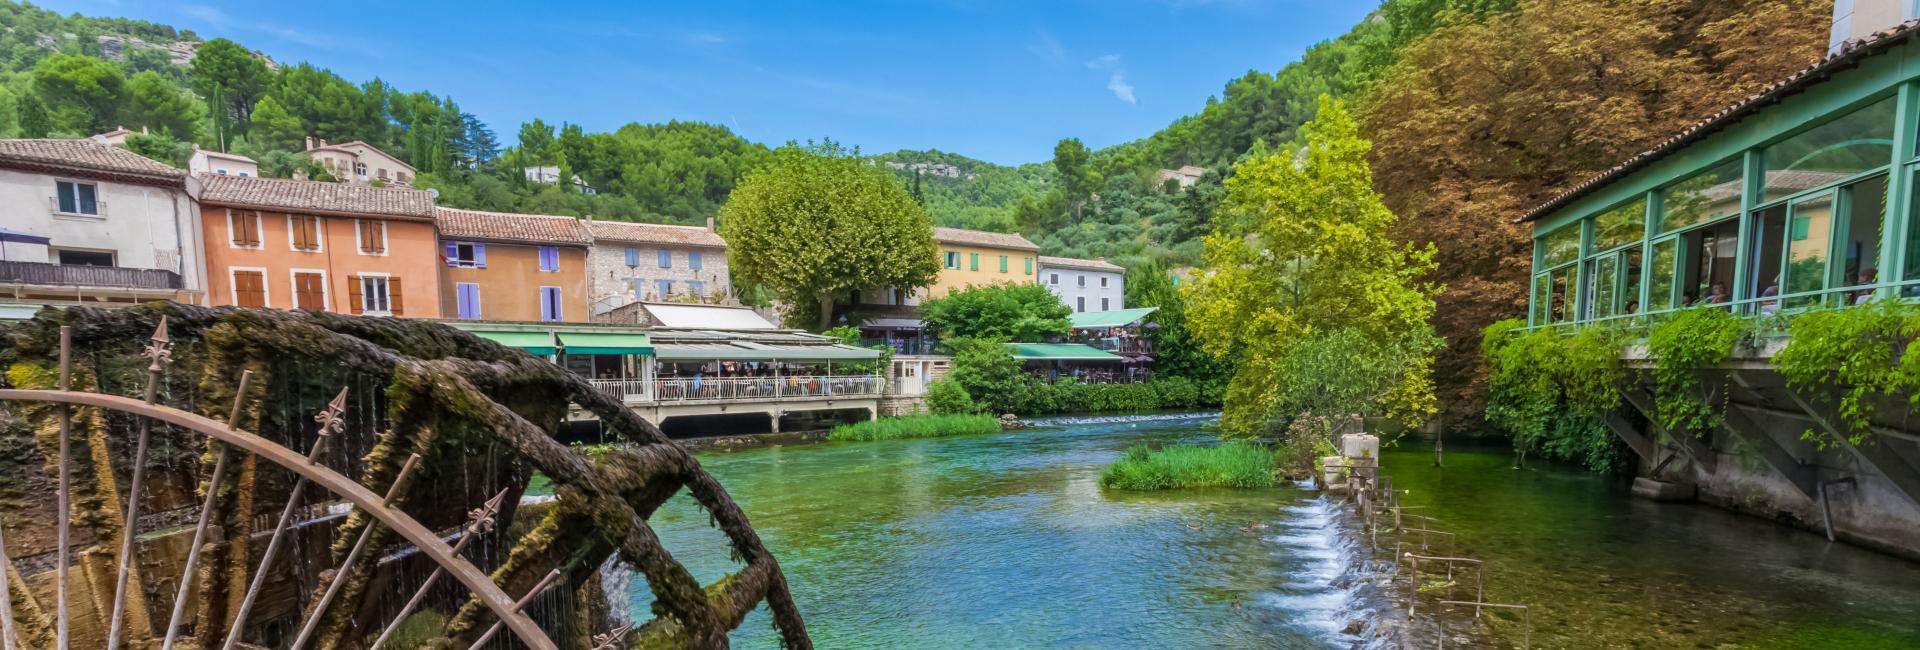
x: 1861, y: 356
x: 1684, y: 348
x: 1550, y: 387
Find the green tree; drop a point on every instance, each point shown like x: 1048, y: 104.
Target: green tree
x: 85, y: 93
x: 35, y: 120
x: 989, y: 373
x: 232, y: 79
x: 1176, y: 352
x: 160, y: 146
x: 1070, y: 158
x: 814, y: 228
x: 155, y: 102
x: 1016, y: 311
x: 536, y: 141
x: 274, y: 127
x: 1306, y: 257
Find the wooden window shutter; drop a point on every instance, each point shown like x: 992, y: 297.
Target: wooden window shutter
x: 393, y: 295
x: 353, y: 294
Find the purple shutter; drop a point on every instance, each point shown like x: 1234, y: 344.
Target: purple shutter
x: 479, y: 256
x: 453, y: 254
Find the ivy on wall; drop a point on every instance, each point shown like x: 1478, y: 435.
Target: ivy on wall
x: 1550, y: 388
x: 1864, y: 354
x: 1684, y: 347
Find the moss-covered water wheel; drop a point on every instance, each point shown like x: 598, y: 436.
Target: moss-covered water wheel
x: 442, y: 422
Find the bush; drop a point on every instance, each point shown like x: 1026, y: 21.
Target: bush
x: 1549, y: 389
x: 916, y: 426
x: 947, y: 397
x: 1682, y: 347
x: 1864, y: 356
x: 1234, y: 465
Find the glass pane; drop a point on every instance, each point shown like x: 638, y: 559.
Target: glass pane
x: 1809, y: 230
x: 1708, y: 255
x: 1770, y: 231
x: 1561, y: 246
x: 64, y: 190
x: 1563, y: 298
x: 1541, y: 299
x: 1866, y: 211
x: 1602, y: 286
x: 1630, y: 289
x: 1860, y: 141
x: 1704, y: 197
x: 1619, y: 226
x: 1660, y: 276
x: 89, y: 204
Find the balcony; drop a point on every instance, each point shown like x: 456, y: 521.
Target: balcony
x: 740, y: 389
x: 65, y: 275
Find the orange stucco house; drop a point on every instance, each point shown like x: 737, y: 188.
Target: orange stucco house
x: 513, y: 267
x: 350, y: 249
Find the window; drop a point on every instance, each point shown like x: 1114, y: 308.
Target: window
x: 550, y: 303
x: 1053, y: 278
x: 73, y: 197
x: 1703, y: 197
x: 1103, y: 282
x: 84, y: 258
x: 633, y: 257
x: 693, y: 260
x: 953, y: 260
x: 1620, y: 226
x: 371, y: 236
x: 638, y: 287
x: 303, y: 232
x: 1082, y: 279
x: 1560, y: 246
x: 1660, y: 276
x: 1080, y: 303
x: 666, y: 259
x: 359, y: 170
x: 973, y: 261
x: 1706, y: 264
x: 698, y: 287
x: 243, y: 228
x: 309, y: 290
x: 662, y: 288
x: 1860, y: 249
x: 249, y: 288
x: 466, y: 255
x: 466, y: 298
x: 1003, y: 264
x: 1849, y: 145
x: 550, y: 259
x: 370, y: 294
x: 1104, y: 304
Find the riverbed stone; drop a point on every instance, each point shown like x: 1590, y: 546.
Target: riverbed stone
x: 1658, y: 490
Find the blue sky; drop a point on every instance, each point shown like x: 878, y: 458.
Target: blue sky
x: 999, y: 81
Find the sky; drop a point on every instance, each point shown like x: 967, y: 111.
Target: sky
x: 998, y: 81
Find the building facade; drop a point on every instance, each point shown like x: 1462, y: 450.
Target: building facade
x: 344, y: 248
x: 1085, y: 285
x: 977, y: 257
x: 359, y: 162
x: 82, y: 221
x: 512, y: 267
x: 224, y: 164
x: 632, y: 262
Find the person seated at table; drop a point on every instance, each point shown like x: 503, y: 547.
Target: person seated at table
x: 1716, y: 294
x: 1867, y: 277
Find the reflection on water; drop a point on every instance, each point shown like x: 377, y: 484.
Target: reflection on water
x: 1008, y: 541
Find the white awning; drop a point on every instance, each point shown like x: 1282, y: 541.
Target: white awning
x: 706, y: 317
x: 749, y: 351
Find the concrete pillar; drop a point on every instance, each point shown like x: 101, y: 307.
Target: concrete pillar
x: 774, y: 421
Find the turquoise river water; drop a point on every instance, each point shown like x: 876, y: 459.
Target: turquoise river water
x: 1007, y: 541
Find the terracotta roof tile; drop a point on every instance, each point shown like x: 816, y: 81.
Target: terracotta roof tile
x: 84, y: 155
x: 509, y: 227
x: 1084, y: 265
x: 982, y: 238
x: 1850, y: 54
x: 313, y: 196
x: 655, y: 233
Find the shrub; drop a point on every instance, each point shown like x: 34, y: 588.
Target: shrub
x: 1176, y: 392
x: 1866, y: 353
x: 1234, y: 465
x: 916, y: 426
x: 1682, y: 347
x: 947, y: 397
x: 1549, y: 389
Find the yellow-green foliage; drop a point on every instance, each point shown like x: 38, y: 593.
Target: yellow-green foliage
x: 417, y: 631
x: 1683, y: 347
x: 1233, y: 465
x: 916, y: 426
x: 1303, y: 246
x: 1549, y: 387
x: 1860, y: 356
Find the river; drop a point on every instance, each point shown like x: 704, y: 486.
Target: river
x: 1008, y: 541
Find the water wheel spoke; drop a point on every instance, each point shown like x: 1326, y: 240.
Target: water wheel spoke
x: 206, y: 513
x: 353, y: 556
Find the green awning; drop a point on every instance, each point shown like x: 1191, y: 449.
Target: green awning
x: 1103, y: 319
x: 534, y: 343
x: 606, y: 343
x: 1060, y: 352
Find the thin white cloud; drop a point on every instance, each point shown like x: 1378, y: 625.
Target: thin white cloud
x: 1105, y: 62
x: 1117, y: 82
x: 706, y: 38
x: 1048, y: 48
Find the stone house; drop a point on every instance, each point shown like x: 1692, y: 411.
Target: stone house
x: 631, y: 262
x: 359, y: 162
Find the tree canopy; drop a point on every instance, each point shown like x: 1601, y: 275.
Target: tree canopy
x: 814, y: 226
x: 1305, y: 257
x: 1022, y: 312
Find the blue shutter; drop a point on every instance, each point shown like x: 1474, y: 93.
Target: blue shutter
x: 666, y: 259
x: 693, y: 260
x: 633, y: 257
x: 549, y: 258
x: 479, y: 256
x: 453, y: 254
x: 635, y: 285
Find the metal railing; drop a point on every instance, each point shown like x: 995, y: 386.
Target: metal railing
x: 688, y: 389
x: 73, y: 275
x: 1761, y: 307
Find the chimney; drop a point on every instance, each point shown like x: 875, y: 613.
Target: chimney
x: 710, y: 224
x: 310, y: 141
x: 1855, y: 20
